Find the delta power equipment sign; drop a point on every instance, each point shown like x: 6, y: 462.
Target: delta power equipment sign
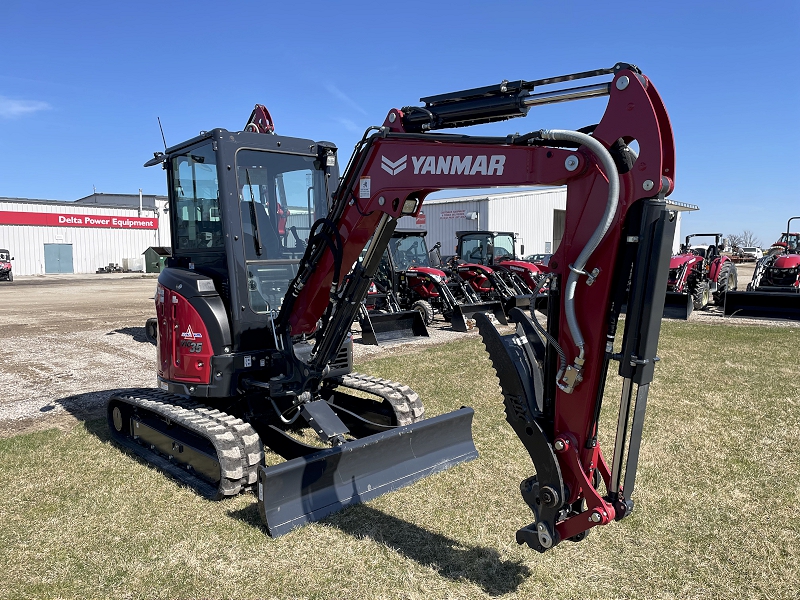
x: 9, y: 217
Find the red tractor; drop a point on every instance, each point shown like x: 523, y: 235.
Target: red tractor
x: 487, y: 260
x: 699, y: 275
x: 408, y: 279
x: 774, y: 290
x: 5, y: 265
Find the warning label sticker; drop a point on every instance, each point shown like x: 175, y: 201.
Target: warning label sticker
x: 364, y: 188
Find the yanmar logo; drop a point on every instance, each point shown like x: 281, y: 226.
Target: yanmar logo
x: 393, y: 168
x: 448, y: 165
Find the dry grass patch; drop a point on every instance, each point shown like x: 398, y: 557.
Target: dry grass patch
x: 715, y: 516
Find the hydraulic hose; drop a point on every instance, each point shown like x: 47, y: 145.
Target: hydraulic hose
x: 562, y: 358
x: 577, y: 268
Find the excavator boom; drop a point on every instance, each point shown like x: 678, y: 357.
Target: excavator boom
x: 617, y: 226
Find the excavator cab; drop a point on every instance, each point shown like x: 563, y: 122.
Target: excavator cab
x: 243, y: 205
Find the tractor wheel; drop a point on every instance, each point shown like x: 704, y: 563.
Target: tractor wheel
x: 727, y: 280
x: 10, y: 276
x: 425, y: 309
x: 700, y: 296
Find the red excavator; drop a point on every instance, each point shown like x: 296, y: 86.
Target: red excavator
x: 774, y: 291
x: 253, y: 326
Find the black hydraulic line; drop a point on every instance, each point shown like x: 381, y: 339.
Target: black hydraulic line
x: 545, y: 334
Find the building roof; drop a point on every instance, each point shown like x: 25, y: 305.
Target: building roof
x: 121, y: 200
x: 160, y: 250
x: 681, y: 206
x: 98, y: 200
x: 484, y: 196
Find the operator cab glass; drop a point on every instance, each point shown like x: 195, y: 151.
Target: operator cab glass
x: 280, y: 198
x: 196, y: 200
x: 484, y: 249
x: 792, y: 240
x: 408, y: 252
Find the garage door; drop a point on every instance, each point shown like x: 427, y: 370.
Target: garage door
x: 58, y: 258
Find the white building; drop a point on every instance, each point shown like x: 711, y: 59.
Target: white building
x: 82, y: 236
x: 537, y: 217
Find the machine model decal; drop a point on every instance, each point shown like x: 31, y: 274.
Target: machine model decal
x: 393, y: 168
x: 194, y: 347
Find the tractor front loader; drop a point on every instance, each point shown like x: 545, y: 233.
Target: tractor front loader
x: 774, y: 291
x: 256, y: 304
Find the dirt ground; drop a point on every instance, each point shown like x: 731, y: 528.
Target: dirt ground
x: 68, y: 340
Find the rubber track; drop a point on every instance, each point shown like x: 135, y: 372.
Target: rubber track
x: 407, y: 406
x: 239, y: 449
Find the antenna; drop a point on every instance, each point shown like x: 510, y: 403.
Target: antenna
x: 162, y: 134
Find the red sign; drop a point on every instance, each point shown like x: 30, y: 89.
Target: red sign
x: 421, y: 218
x: 10, y: 217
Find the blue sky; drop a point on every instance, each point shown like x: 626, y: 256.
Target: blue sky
x: 81, y: 84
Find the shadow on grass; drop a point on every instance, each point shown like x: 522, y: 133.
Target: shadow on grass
x: 479, y: 565
x: 137, y: 333
x: 90, y: 405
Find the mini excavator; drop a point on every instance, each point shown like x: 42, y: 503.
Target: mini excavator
x: 255, y: 306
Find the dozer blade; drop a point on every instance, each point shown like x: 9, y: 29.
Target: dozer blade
x: 309, y: 488
x: 677, y: 306
x: 463, y: 317
x: 772, y: 305
x: 379, y: 328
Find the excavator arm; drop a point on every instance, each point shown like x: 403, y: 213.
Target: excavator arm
x: 615, y: 251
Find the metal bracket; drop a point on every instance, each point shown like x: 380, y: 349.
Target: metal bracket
x: 324, y: 421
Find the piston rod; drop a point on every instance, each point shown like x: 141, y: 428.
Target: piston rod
x: 565, y: 95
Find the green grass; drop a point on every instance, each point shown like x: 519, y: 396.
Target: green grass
x: 716, y: 501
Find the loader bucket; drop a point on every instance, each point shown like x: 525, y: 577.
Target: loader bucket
x: 677, y: 306
x: 773, y: 305
x: 309, y: 488
x: 463, y: 320
x: 380, y: 328
x: 523, y: 302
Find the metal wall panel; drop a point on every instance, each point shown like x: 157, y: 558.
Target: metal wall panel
x: 529, y: 214
x: 444, y: 217
x: 92, y: 247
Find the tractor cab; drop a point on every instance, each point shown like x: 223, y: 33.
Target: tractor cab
x: 486, y: 247
x: 409, y: 250
x: 242, y: 206
x: 790, y: 242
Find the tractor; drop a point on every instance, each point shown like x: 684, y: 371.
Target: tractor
x: 698, y: 276
x: 409, y: 279
x: 774, y: 290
